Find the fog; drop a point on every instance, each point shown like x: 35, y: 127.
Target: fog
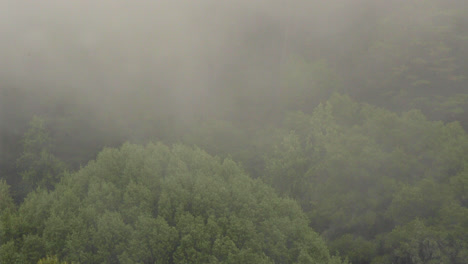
x: 354, y: 109
x: 114, y: 63
x: 99, y: 52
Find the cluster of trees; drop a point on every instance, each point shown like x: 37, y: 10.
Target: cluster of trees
x: 287, y: 159
x: 157, y: 204
x: 380, y: 187
x: 376, y: 186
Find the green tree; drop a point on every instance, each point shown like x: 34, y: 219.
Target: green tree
x: 38, y: 166
x: 416, y: 243
x: 51, y: 260
x: 360, y: 171
x: 33, y: 249
x: 111, y: 237
x: 167, y: 205
x: 152, y: 241
x: 9, y: 253
x: 6, y: 201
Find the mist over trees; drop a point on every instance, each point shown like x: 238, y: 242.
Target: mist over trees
x: 234, y: 131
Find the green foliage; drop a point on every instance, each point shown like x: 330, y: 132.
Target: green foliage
x: 155, y: 204
x: 110, y: 237
x: 152, y: 240
x: 356, y: 249
x: 51, y: 260
x: 416, y: 243
x: 9, y: 253
x: 33, y: 249
x: 7, y: 223
x: 414, y: 52
x: 459, y: 184
x: 359, y: 171
x: 6, y: 202
x: 379, y: 186
x: 38, y: 166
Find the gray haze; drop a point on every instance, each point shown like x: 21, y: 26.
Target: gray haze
x: 100, y: 51
x: 101, y: 55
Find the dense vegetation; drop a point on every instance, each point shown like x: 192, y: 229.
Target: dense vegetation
x: 158, y: 205
x: 305, y: 143
x: 377, y: 185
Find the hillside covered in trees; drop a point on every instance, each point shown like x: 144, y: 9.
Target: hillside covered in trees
x: 234, y: 132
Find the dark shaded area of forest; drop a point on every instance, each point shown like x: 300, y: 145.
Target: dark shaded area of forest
x: 234, y: 132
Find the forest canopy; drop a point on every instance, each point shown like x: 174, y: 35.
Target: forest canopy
x: 234, y: 131
x: 157, y: 204
x: 379, y: 186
